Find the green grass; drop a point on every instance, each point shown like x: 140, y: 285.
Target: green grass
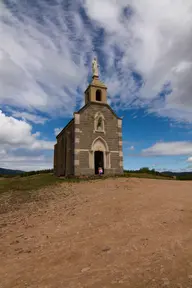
x: 148, y: 176
x: 27, y: 183
x: 36, y: 182
x: 18, y: 190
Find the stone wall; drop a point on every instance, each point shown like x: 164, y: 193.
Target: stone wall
x: 70, y: 150
x: 85, y: 135
x: 64, y: 152
x: 55, y: 160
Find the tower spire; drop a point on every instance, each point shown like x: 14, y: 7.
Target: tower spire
x: 97, y: 90
x: 95, y: 70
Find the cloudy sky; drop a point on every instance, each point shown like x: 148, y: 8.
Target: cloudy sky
x: 145, y: 56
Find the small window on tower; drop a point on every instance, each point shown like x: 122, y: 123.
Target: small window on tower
x: 88, y: 97
x: 98, y: 95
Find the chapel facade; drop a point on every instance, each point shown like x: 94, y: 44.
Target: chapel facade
x: 93, y: 138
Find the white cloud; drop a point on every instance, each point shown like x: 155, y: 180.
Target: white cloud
x: 131, y: 148
x: 43, y: 64
x: 169, y: 148
x: 37, y: 119
x: 57, y: 131
x: 156, y: 42
x: 26, y: 163
x: 16, y: 133
x: 184, y: 126
x: 20, y: 148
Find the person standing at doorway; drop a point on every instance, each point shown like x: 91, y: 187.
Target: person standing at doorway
x: 100, y: 170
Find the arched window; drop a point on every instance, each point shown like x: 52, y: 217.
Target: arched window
x: 98, y: 95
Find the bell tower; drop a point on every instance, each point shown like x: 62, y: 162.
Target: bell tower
x: 97, y: 90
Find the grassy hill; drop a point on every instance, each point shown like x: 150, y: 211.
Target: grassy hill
x: 179, y: 175
x: 4, y: 171
x: 145, y: 170
x: 18, y: 189
x: 36, y: 181
x: 31, y: 181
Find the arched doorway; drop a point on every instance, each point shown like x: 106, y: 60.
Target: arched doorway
x: 99, y: 155
x: 99, y: 161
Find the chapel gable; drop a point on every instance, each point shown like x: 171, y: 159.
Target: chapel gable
x: 93, y: 139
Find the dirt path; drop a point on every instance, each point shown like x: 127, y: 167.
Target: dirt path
x: 111, y: 233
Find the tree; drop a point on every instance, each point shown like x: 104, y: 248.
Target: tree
x: 144, y: 170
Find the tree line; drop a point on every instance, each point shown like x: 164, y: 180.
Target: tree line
x: 144, y: 170
x: 176, y: 175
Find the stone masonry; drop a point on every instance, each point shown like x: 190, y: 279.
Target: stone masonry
x: 94, y: 130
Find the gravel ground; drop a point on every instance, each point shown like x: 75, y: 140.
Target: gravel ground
x: 110, y: 233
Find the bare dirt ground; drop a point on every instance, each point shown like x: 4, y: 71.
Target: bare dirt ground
x: 110, y: 233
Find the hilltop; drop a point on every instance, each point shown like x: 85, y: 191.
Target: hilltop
x: 119, y: 232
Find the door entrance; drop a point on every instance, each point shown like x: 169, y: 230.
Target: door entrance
x: 98, y: 161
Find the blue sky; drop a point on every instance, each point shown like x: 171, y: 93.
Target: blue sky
x: 145, y: 59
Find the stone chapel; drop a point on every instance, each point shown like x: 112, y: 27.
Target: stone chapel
x: 93, y: 138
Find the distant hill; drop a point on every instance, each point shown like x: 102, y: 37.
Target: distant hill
x: 179, y: 175
x: 176, y: 173
x: 4, y: 171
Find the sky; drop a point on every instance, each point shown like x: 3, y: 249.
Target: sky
x: 144, y: 53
